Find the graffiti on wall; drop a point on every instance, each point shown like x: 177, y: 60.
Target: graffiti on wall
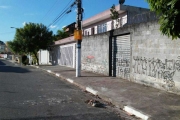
x: 89, y: 59
x: 157, y: 68
x: 122, y: 67
x: 89, y: 63
x: 122, y: 62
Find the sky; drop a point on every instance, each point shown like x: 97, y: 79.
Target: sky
x: 15, y: 13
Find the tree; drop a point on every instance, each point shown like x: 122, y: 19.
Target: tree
x: 31, y: 38
x: 114, y: 15
x: 61, y: 34
x: 169, y: 12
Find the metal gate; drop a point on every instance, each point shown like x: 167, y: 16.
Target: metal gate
x: 67, y: 55
x: 121, y: 56
x: 55, y: 53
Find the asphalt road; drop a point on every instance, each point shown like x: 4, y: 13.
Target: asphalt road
x: 28, y: 93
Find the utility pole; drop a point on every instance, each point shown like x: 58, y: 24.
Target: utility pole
x: 78, y: 37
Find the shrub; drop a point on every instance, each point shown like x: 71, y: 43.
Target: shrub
x: 25, y: 60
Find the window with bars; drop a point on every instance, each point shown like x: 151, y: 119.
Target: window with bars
x: 102, y: 28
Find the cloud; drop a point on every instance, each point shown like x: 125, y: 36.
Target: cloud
x: 4, y: 7
x: 24, y: 23
x: 53, y: 26
x: 63, y: 26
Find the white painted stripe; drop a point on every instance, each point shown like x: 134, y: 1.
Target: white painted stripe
x: 37, y: 66
x: 57, y: 74
x: 135, y: 112
x: 69, y: 80
x: 49, y: 71
x: 91, y: 90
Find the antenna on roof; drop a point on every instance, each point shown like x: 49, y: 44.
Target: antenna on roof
x: 121, y: 2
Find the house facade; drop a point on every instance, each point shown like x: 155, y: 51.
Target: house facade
x: 63, y: 51
x: 44, y: 57
x: 136, y: 51
x: 2, y: 46
x: 69, y: 29
x: 102, y: 22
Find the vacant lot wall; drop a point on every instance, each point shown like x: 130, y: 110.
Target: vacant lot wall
x: 155, y: 59
x: 95, y: 53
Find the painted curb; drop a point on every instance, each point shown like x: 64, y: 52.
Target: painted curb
x: 135, y: 112
x: 70, y: 80
x: 128, y: 109
x: 94, y: 92
x: 57, y: 74
x: 49, y: 71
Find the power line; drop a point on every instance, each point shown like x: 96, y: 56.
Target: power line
x: 50, y: 10
x: 66, y: 10
x: 61, y: 14
x: 62, y: 19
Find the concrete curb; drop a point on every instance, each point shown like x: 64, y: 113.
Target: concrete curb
x: 49, y: 71
x: 135, y: 112
x: 69, y: 80
x: 89, y: 89
x: 130, y: 110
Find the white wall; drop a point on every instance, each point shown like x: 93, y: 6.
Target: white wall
x: 87, y: 31
x: 44, y: 57
x: 122, y: 21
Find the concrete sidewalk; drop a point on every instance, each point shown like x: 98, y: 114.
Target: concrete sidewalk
x: 142, y: 101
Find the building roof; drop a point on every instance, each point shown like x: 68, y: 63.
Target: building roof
x: 99, y: 17
x: 106, y: 14
x: 2, y: 43
x: 64, y: 41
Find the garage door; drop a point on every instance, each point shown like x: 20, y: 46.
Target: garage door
x: 121, y: 56
x: 67, y: 55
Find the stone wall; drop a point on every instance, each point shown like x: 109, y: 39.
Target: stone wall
x: 95, y: 53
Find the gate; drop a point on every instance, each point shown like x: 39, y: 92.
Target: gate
x: 121, y: 56
x: 67, y: 55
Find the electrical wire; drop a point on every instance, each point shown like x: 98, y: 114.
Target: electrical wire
x: 62, y: 20
x: 50, y: 10
x: 65, y: 11
x: 63, y: 17
x: 61, y: 14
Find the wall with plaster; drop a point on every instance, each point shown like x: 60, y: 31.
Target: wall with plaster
x: 95, y: 53
x: 155, y: 59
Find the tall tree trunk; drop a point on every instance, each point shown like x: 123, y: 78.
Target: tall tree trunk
x: 35, y: 54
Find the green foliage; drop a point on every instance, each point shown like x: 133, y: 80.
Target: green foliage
x: 31, y: 38
x: 61, y: 34
x: 114, y: 15
x: 34, y: 61
x: 25, y: 60
x: 169, y: 11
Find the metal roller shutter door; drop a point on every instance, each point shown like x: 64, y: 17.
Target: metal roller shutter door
x: 121, y: 56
